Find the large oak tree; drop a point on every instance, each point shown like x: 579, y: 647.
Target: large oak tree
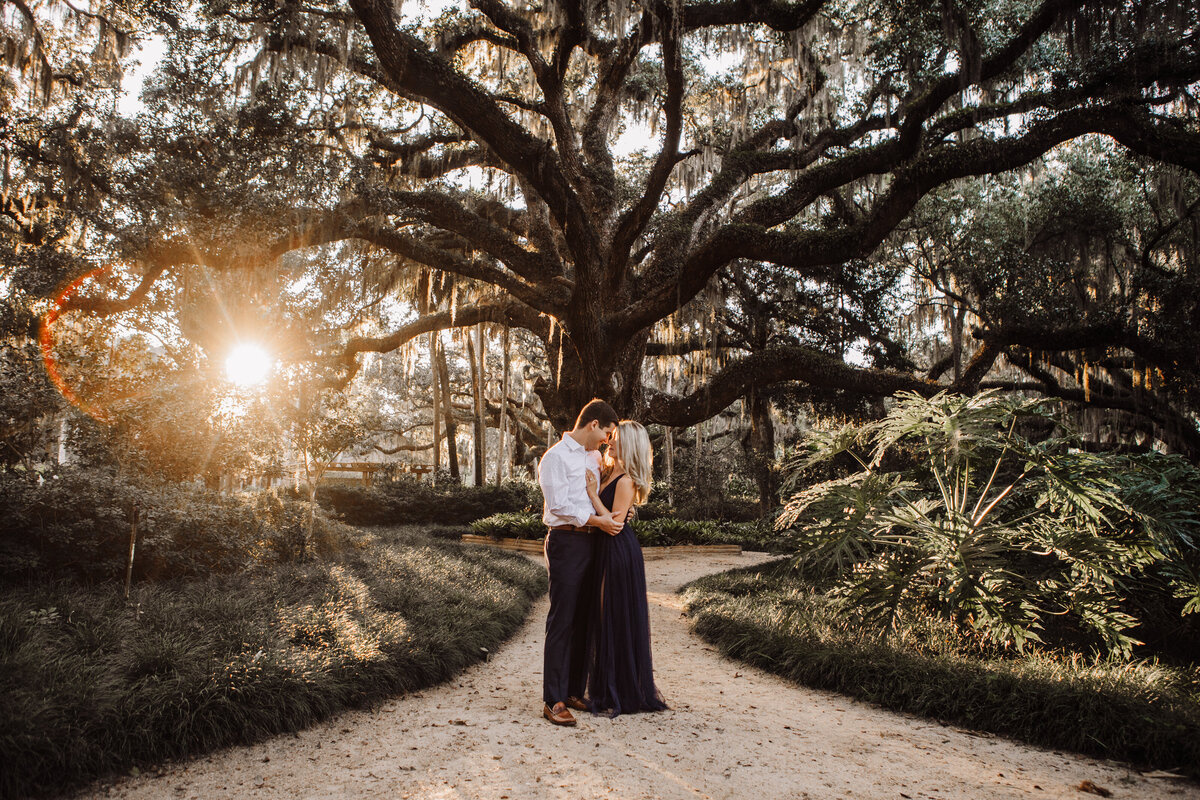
x: 485, y: 143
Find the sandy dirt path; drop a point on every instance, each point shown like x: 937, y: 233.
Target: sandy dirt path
x: 733, y: 732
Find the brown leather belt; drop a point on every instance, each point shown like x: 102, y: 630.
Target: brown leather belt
x: 573, y: 528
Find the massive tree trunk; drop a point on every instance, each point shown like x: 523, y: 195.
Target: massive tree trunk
x: 614, y: 375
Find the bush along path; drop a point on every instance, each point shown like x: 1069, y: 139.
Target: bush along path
x: 733, y: 732
x: 90, y: 685
x: 1144, y: 712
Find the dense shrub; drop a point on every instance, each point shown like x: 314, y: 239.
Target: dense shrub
x: 774, y: 618
x: 668, y: 531
x: 1017, y: 541
x: 410, y: 501
x: 758, y: 535
x: 510, y: 525
x: 76, y: 523
x: 662, y: 531
x: 706, y: 496
x: 656, y: 507
x: 91, y: 685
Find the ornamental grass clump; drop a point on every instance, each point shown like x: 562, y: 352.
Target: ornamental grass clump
x: 980, y: 511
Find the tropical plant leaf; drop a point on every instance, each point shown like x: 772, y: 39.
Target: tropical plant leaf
x: 995, y: 532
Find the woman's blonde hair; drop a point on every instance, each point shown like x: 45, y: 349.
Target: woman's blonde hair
x: 634, y: 444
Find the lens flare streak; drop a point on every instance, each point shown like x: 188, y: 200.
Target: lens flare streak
x: 46, y: 340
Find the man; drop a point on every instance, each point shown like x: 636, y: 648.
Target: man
x: 572, y: 523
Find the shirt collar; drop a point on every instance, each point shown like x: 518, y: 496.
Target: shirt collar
x: 570, y: 443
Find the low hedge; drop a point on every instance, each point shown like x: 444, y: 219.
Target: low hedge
x: 1146, y: 712
x: 510, y: 525
x: 657, y: 532
x: 410, y: 501
x: 91, y: 685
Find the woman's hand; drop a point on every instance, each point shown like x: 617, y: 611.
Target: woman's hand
x: 592, y: 482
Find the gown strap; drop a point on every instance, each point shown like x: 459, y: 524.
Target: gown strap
x: 613, y: 485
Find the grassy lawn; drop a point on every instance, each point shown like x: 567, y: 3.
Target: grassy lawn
x: 90, y: 685
x: 1144, y: 712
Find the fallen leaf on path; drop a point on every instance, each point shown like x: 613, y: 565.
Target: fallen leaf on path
x: 1091, y: 788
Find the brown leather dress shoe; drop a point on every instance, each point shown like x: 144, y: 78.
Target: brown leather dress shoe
x: 577, y: 704
x: 559, y: 715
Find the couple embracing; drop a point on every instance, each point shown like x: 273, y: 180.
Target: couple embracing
x: 598, y: 632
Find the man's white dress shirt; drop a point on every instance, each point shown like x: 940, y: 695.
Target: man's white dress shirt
x: 561, y: 474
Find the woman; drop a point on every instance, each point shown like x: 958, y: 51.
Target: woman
x: 621, y: 673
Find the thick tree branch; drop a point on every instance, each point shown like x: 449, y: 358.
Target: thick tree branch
x: 613, y: 70
x: 809, y: 366
x: 103, y: 306
x: 776, y: 14
x: 916, y: 112
x: 406, y: 447
x: 1085, y: 336
x: 1171, y: 423
x: 418, y: 249
x: 553, y: 103
x: 634, y: 220
x: 777, y: 365
x: 451, y: 214
x: 809, y: 250
x: 453, y: 41
x: 508, y: 313
x: 412, y: 68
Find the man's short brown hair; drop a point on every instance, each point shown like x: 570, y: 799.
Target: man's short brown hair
x: 597, y: 409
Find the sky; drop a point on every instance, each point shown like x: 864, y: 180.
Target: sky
x: 149, y: 51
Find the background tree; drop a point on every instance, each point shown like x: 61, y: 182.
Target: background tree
x: 59, y: 73
x: 1084, y: 274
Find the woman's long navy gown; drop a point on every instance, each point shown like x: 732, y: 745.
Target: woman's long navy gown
x: 621, y: 671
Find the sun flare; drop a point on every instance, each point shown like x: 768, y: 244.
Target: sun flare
x: 248, y: 365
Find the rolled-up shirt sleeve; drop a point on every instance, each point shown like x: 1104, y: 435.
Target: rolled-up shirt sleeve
x: 564, y: 502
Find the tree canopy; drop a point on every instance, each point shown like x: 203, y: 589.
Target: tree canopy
x: 608, y: 179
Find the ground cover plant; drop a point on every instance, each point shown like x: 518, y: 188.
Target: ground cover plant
x: 1143, y: 711
x: 971, y: 564
x: 91, y: 685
